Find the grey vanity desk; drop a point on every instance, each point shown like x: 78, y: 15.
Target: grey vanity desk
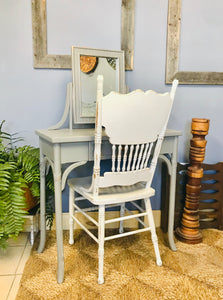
x: 76, y: 146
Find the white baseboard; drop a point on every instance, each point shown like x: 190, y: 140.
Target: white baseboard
x: 110, y: 214
x: 31, y: 223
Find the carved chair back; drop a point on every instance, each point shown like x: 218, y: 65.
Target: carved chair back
x: 135, y: 124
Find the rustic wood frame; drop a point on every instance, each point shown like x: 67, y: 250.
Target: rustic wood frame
x: 41, y: 59
x: 172, y: 55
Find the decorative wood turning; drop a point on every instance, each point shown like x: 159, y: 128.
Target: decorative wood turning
x: 189, y: 231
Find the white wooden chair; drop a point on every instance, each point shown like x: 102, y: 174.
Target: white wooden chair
x: 135, y: 124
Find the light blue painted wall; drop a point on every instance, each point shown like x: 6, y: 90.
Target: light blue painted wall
x: 34, y: 98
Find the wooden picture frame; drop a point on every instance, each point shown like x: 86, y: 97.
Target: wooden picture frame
x: 41, y: 59
x: 172, y: 55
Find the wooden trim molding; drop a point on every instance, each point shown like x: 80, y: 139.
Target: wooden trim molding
x: 172, y: 55
x: 41, y: 59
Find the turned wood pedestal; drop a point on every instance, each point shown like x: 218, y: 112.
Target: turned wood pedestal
x: 189, y: 231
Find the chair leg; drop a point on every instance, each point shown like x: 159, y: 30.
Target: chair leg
x: 122, y: 211
x: 71, y: 213
x: 101, y: 235
x: 153, y: 231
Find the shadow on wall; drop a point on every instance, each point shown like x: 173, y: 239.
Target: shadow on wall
x: 188, y: 135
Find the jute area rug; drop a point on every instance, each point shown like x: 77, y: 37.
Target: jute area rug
x: 193, y: 272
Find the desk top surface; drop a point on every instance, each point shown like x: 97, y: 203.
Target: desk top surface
x: 79, y: 135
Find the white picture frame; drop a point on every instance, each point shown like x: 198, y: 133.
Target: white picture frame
x: 81, y: 115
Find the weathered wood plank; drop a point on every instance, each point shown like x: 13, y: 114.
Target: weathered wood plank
x: 39, y: 31
x: 199, y: 77
x: 128, y: 32
x: 173, y: 39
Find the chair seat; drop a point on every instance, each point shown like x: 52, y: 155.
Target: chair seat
x: 110, y: 195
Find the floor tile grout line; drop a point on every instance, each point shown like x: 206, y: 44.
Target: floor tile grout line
x: 21, y: 255
x: 15, y: 272
x: 4, y: 275
x: 14, y: 275
x: 20, y: 244
x: 17, y: 268
x: 11, y: 286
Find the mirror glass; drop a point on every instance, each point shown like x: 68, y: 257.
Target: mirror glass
x: 87, y: 64
x: 91, y: 67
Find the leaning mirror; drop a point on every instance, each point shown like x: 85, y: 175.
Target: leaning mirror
x: 87, y: 64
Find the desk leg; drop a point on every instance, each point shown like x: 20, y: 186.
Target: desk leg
x: 172, y: 196
x: 58, y: 213
x: 42, y: 203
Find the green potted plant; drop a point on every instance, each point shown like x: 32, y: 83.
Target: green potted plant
x: 19, y: 179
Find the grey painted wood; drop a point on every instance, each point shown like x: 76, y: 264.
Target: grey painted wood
x: 81, y: 135
x: 43, y: 200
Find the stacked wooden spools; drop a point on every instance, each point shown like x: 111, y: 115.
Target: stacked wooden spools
x: 189, y: 231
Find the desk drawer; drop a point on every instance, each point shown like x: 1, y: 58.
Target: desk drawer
x: 71, y: 152
x: 106, y: 150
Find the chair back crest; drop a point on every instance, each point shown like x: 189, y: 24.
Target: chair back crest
x: 135, y: 118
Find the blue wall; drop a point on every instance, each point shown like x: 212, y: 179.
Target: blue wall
x: 34, y: 98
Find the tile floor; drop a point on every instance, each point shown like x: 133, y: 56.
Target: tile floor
x: 12, y: 263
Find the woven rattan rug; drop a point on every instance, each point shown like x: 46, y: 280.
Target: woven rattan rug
x: 193, y: 272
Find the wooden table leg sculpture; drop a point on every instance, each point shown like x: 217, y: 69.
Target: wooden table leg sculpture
x: 189, y: 231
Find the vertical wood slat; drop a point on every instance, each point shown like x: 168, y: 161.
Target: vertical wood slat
x: 113, y: 157
x: 144, y: 157
x: 148, y: 154
x: 135, y: 157
x: 119, y: 158
x: 130, y: 158
x: 140, y: 156
x: 173, y: 37
x: 128, y: 32
x: 125, y: 158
